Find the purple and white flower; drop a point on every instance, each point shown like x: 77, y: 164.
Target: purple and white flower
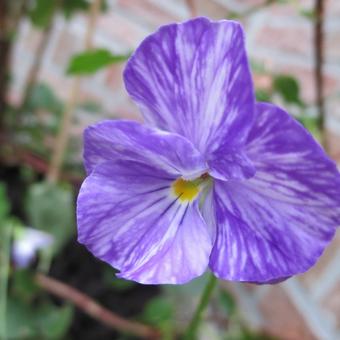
x: 213, y: 179
x: 27, y: 242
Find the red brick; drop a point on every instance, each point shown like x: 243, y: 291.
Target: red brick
x: 282, y: 319
x: 68, y: 44
x: 251, y: 3
x: 263, y: 81
x: 332, y: 46
x: 30, y: 39
x: 317, y: 271
x: 128, y: 110
x: 291, y: 9
x: 121, y: 28
x: 148, y: 11
x: 211, y: 9
x: 333, y: 142
x: 332, y: 303
x: 295, y: 40
x: 333, y: 8
x: 114, y: 77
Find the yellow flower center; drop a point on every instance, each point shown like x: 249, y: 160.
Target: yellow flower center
x: 185, y: 190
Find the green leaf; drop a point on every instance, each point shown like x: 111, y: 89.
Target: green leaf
x: 24, y: 284
x: 227, y: 302
x: 116, y: 283
x: 91, y: 106
x: 257, y: 66
x: 91, y: 61
x: 262, y: 95
x: 288, y: 87
x: 233, y: 15
x: 4, y: 204
x: 308, y: 14
x: 43, y: 97
x: 20, y: 320
x: 121, y: 284
x: 158, y: 311
x: 70, y: 7
x: 53, y: 322
x: 28, y: 321
x: 50, y: 207
x: 42, y: 12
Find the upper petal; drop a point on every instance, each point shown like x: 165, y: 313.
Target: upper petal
x: 193, y: 78
x: 128, y: 216
x: 112, y: 140
x: 278, y: 223
x: 231, y: 164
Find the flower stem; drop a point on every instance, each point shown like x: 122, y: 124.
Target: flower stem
x: 191, y: 331
x: 4, y: 271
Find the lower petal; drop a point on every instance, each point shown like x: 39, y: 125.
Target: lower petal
x: 261, y: 240
x: 129, y: 217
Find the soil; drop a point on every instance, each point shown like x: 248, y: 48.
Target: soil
x: 78, y: 268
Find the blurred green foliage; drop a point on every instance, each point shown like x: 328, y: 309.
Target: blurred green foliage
x: 44, y: 98
x: 24, y: 286
x: 4, y: 204
x: 159, y: 312
x: 43, y: 321
x: 42, y: 11
x: 288, y: 87
x: 227, y: 302
x: 50, y: 207
x: 262, y: 95
x: 29, y: 313
x: 90, y: 62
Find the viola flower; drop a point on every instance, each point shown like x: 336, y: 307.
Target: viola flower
x: 27, y: 241
x: 213, y: 179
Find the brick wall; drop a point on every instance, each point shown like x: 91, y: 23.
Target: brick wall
x: 306, y: 307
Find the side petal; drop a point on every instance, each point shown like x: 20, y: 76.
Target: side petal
x: 291, y: 166
x: 128, y: 217
x: 193, y: 78
x: 277, y: 223
x: 112, y: 140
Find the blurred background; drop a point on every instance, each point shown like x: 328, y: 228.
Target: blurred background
x: 61, y: 64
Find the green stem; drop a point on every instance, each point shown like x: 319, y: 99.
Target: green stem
x: 45, y: 261
x: 191, y: 331
x: 4, y: 271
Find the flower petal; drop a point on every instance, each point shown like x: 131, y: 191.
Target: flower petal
x: 227, y: 165
x: 112, y: 140
x: 278, y: 223
x: 27, y: 241
x: 129, y: 217
x: 193, y: 78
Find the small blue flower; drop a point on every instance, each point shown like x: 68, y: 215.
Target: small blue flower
x: 213, y: 179
x: 27, y: 242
